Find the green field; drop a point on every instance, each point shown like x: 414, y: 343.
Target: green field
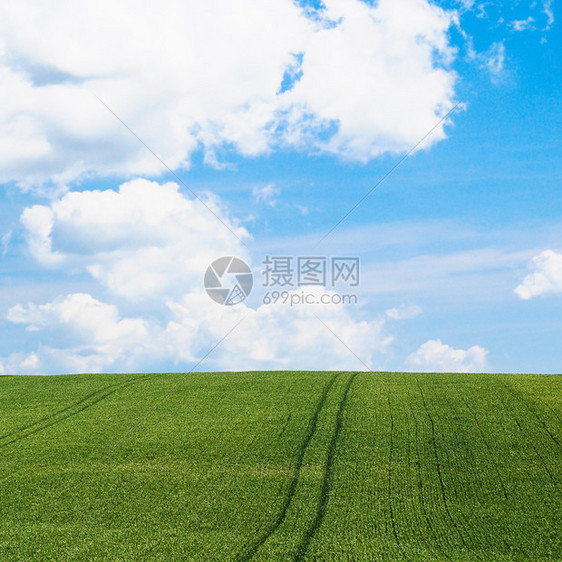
x: 281, y: 466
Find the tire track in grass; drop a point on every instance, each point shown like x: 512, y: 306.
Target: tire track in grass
x: 285, y: 425
x: 327, y: 481
x: 61, y: 411
x: 439, y: 473
x: 436, y: 544
x: 511, y: 429
x: 54, y: 422
x: 491, y: 462
x: 70, y: 409
x: 46, y: 418
x: 253, y: 548
x: 456, y: 489
x: 532, y: 410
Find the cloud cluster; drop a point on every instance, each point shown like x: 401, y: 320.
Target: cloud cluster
x: 81, y: 334
x: 545, y: 278
x: 93, y: 336
x: 277, y: 336
x: 144, y: 240
x: 149, y: 245
x: 351, y: 78
x: 435, y: 356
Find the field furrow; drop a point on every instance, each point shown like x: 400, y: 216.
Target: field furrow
x: 443, y: 493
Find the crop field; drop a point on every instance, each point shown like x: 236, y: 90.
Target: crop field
x: 281, y: 466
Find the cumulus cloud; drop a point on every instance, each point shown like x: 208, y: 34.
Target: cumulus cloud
x: 82, y: 334
x: 545, y: 277
x: 279, y: 336
x: 149, y: 245
x: 85, y: 317
x: 144, y: 240
x: 30, y: 363
x: 435, y: 356
x: 94, y: 335
x: 351, y: 78
x: 21, y: 363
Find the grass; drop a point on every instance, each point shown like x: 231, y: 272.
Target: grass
x: 281, y: 466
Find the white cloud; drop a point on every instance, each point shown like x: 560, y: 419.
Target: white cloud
x: 266, y: 194
x: 495, y: 60
x: 21, y: 363
x: 549, y: 13
x: 379, y: 112
x: 85, y: 317
x: 278, y: 336
x: 5, y: 242
x: 148, y: 241
x: 31, y: 362
x: 364, y: 79
x: 145, y: 240
x: 492, y: 60
x: 546, y: 276
x: 403, y: 312
x: 38, y: 222
x: 82, y: 334
x: 93, y: 335
x: 521, y: 25
x: 436, y: 356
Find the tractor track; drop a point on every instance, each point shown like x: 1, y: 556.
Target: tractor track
x: 328, y: 478
x: 69, y: 411
x: 251, y: 550
x: 524, y: 401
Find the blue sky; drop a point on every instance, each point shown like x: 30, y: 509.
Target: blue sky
x: 460, y: 247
